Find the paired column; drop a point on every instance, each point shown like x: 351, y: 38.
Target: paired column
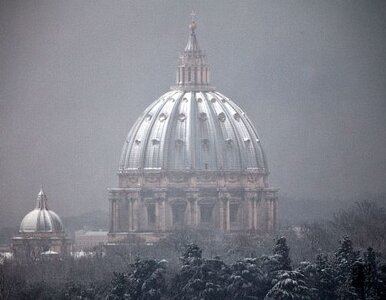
x: 161, y: 214
x: 253, y: 203
x: 193, y: 209
x: 224, y: 212
x: 190, y: 211
x: 132, y: 212
x: 256, y: 211
x: 114, y: 211
x: 271, y: 214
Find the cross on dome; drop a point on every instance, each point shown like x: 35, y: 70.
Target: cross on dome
x: 193, y: 24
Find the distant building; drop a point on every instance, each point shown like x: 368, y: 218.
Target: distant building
x: 41, y: 233
x: 86, y: 240
x: 193, y: 158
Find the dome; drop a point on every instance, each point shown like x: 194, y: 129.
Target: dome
x: 192, y: 158
x: 193, y: 127
x: 41, y: 219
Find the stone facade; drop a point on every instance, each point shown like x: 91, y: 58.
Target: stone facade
x: 151, y: 204
x: 30, y: 246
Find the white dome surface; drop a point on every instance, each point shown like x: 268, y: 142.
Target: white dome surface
x: 193, y: 130
x: 41, y: 219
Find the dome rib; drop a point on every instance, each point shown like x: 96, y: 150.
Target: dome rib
x: 131, y: 137
x: 261, y: 161
x: 240, y: 132
x: 167, y: 137
x: 193, y: 121
x: 154, y: 153
x: 218, y: 135
x: 251, y: 131
x: 231, y: 128
x: 257, y: 159
x: 178, y: 136
x: 145, y: 133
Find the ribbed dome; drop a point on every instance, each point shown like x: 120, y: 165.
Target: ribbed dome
x: 41, y: 219
x: 193, y: 130
x: 193, y: 127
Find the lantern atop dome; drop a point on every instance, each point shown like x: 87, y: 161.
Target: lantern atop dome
x: 193, y: 71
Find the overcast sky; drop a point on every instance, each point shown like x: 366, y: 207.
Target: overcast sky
x: 75, y: 75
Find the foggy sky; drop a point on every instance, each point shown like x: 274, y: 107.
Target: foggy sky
x: 75, y: 75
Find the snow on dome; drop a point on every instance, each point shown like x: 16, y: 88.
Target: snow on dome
x: 41, y: 219
x: 173, y: 138
x: 193, y: 127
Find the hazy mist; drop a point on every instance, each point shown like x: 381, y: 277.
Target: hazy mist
x: 75, y: 75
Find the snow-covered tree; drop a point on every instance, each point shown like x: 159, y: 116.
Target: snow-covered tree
x: 191, y: 254
x: 146, y: 281
x: 248, y: 281
x: 282, y: 250
x: 200, y: 278
x: 371, y: 274
x: 290, y: 285
x: 345, y: 258
x: 358, y: 278
x: 311, y: 278
x: 381, y: 287
x: 326, y: 281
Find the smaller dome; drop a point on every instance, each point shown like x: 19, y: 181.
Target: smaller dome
x: 41, y: 219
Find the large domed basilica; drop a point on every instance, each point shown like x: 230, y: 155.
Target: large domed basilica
x: 193, y: 158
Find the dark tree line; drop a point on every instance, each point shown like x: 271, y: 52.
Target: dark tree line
x: 348, y: 274
x: 203, y: 264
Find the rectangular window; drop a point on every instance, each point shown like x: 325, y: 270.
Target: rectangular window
x: 151, y: 217
x: 206, y: 213
x: 178, y: 211
x: 233, y: 212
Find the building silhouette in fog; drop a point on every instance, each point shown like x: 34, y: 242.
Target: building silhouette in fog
x: 193, y: 158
